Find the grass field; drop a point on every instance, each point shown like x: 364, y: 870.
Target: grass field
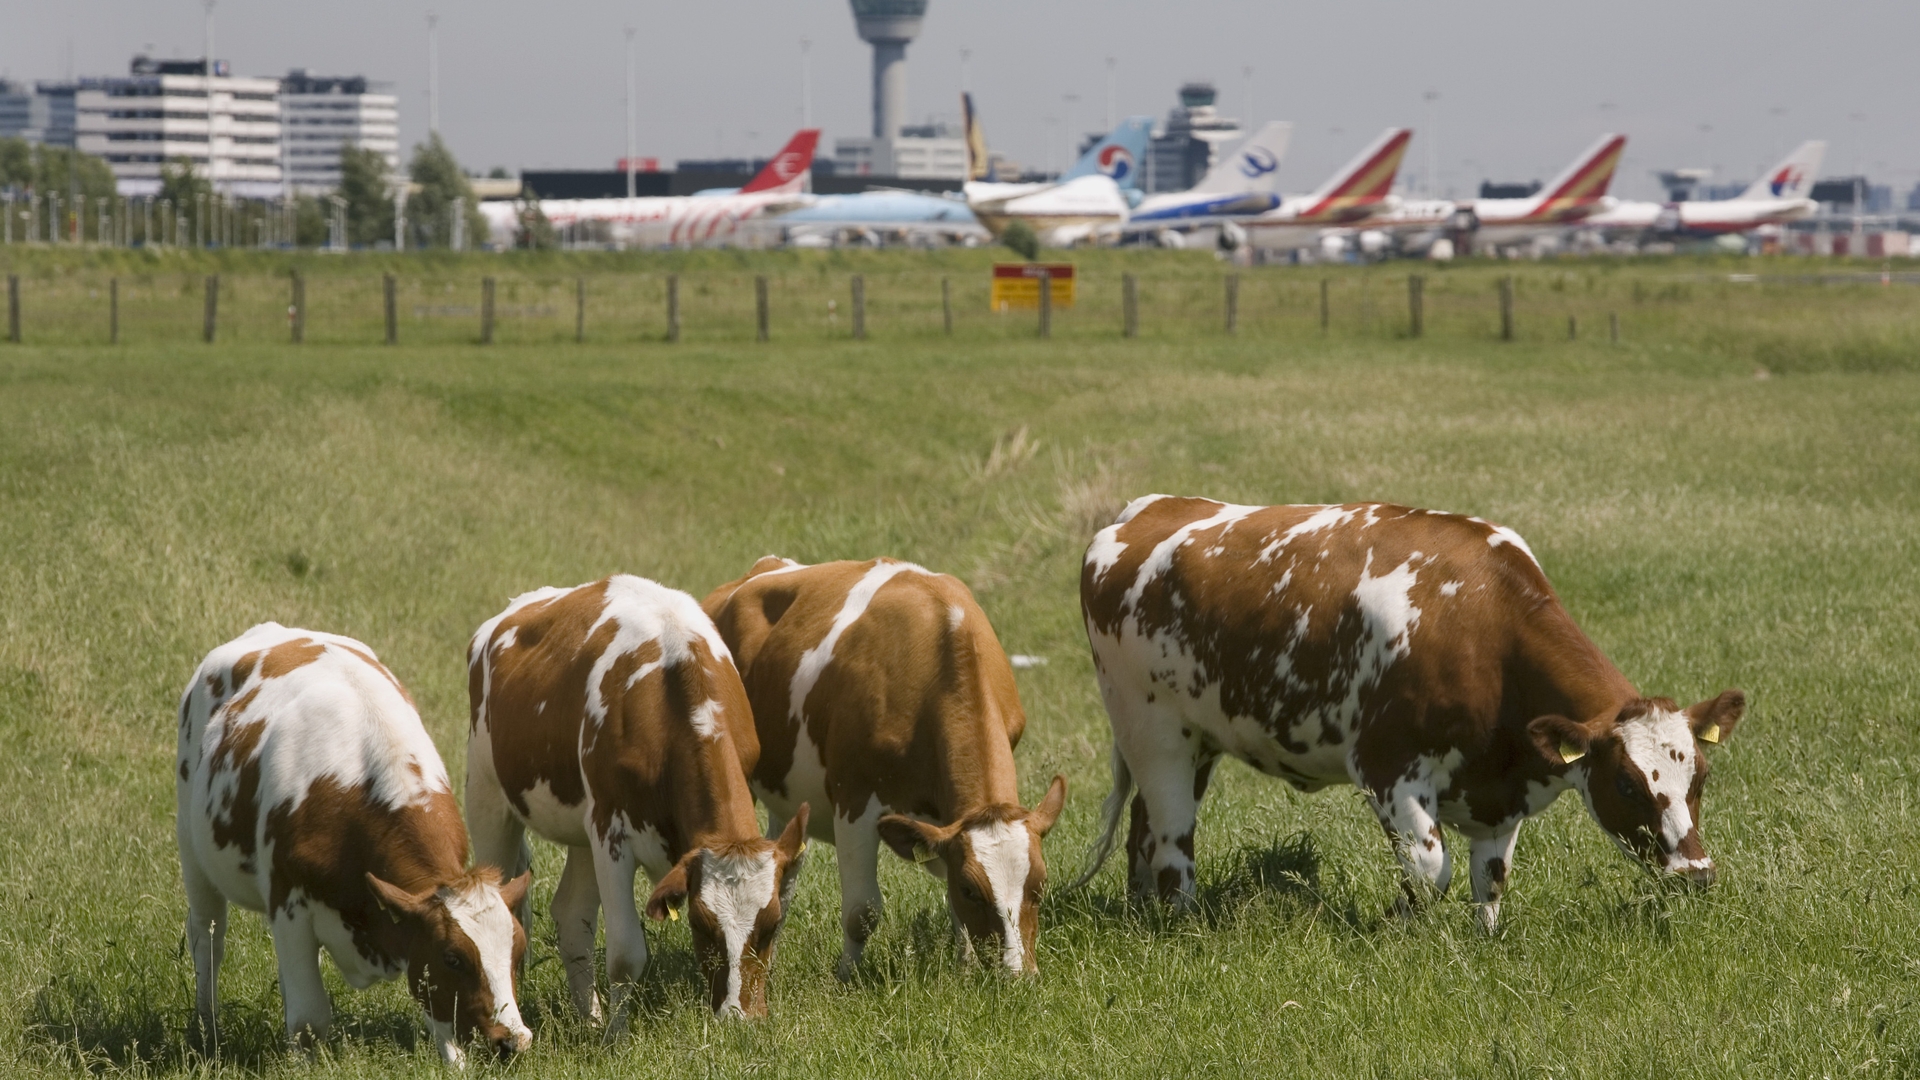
x: 1730, y: 496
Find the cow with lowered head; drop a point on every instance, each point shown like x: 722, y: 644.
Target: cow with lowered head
x: 609, y: 718
x: 1419, y: 656
x: 880, y: 690
x: 308, y: 790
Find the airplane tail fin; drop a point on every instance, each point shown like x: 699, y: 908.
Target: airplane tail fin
x: 1120, y: 156
x: 786, y: 171
x: 1793, y: 177
x: 1584, y: 182
x: 1368, y: 178
x: 1255, y: 166
x: 979, y: 164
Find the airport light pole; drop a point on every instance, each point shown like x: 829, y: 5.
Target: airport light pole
x: 806, y: 83
x: 1070, y: 100
x: 1433, y: 137
x: 1112, y: 63
x: 212, y: 171
x: 629, y: 162
x: 433, y: 73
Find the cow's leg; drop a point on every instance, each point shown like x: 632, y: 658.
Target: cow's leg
x: 626, y: 934
x: 576, y: 913
x: 856, y: 846
x: 207, y: 937
x: 297, y: 951
x: 1406, y: 811
x: 498, y: 835
x: 1172, y: 780
x: 1492, y: 858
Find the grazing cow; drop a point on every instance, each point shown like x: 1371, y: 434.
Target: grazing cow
x: 308, y: 790
x: 609, y: 718
x: 1420, y: 656
x: 879, y: 688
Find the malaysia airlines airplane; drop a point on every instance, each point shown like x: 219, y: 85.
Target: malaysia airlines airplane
x: 1239, y: 186
x: 1086, y: 200
x: 1779, y: 195
x: 707, y: 219
x: 1356, y: 193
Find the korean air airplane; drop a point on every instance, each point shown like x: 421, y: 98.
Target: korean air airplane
x: 1087, y: 199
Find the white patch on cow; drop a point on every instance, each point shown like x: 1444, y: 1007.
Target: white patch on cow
x: 735, y: 889
x: 955, y: 616
x: 484, y: 646
x: 1133, y: 508
x: 706, y: 720
x: 1651, y: 742
x: 1448, y: 588
x: 644, y: 611
x: 815, y: 660
x: 483, y: 917
x: 356, y: 968
x: 1004, y: 850
x: 451, y: 1052
x: 1386, y: 604
x: 1500, y: 534
x: 1322, y: 519
x: 1160, y: 559
x: 644, y: 843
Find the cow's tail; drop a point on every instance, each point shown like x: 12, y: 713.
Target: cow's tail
x: 1109, y: 821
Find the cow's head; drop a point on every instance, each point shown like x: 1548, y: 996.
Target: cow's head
x: 463, y: 955
x: 995, y: 872
x: 1641, y: 772
x: 736, y: 896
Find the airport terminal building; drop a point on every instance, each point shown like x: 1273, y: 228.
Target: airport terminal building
x: 226, y: 126
x: 319, y: 115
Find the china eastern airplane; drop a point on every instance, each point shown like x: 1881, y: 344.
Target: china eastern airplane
x: 1087, y: 199
x: 1356, y: 193
x: 706, y: 219
x: 1779, y: 195
x: 1239, y: 186
x: 1572, y: 199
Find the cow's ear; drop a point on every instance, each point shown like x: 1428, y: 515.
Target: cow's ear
x: 914, y: 841
x: 401, y: 903
x: 793, y: 839
x: 1559, y: 740
x: 1713, y: 720
x: 670, y: 893
x: 1041, y: 820
x: 514, y: 893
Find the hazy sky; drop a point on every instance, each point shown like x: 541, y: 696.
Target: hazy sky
x: 1523, y: 86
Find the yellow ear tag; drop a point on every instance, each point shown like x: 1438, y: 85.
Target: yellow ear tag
x: 922, y: 853
x: 1711, y: 734
x: 1570, y: 753
x: 673, y: 914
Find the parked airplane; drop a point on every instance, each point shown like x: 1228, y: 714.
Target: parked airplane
x: 707, y: 219
x: 1578, y: 193
x: 1086, y: 199
x: 886, y: 215
x: 1356, y: 193
x: 1239, y: 186
x: 1779, y: 195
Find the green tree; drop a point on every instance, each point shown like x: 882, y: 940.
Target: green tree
x: 535, y: 230
x: 78, y: 179
x: 16, y: 163
x: 1019, y: 236
x: 367, y: 188
x: 430, y: 208
x: 189, y: 192
x: 309, y: 221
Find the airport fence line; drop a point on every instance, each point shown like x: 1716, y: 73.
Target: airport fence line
x: 460, y: 302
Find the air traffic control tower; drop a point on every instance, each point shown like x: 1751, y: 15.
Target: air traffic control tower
x: 888, y: 25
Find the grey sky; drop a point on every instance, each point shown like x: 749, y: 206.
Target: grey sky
x: 1524, y: 86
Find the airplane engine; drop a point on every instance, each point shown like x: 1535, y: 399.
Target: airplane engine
x: 1333, y: 247
x: 1373, y: 242
x: 1232, y: 237
x: 1169, y: 239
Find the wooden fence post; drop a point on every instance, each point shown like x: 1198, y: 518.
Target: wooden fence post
x: 1046, y: 302
x: 1573, y: 329
x: 579, y: 310
x: 393, y: 309
x: 486, y: 311
x: 113, y: 311
x: 946, y: 305
x: 673, y: 307
x: 297, y: 310
x: 859, y: 307
x: 1613, y: 327
x: 1324, y: 311
x: 213, y: 307
x: 1506, y: 308
x: 1129, y: 306
x: 13, y: 308
x: 1233, y: 303
x: 760, y: 307
x: 1416, y: 305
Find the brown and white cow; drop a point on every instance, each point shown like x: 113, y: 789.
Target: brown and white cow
x: 1420, y: 656
x: 879, y: 689
x: 308, y: 790
x: 610, y: 718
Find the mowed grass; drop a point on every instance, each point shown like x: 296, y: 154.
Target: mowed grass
x: 1707, y: 527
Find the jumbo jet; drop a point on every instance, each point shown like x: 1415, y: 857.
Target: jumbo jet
x: 1572, y: 199
x: 707, y: 219
x: 1780, y: 195
x: 1088, y: 199
x: 1240, y: 185
x: 1355, y: 194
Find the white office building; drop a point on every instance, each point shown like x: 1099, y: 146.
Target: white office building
x: 228, y: 128
x: 42, y: 113
x: 930, y: 151
x: 321, y: 114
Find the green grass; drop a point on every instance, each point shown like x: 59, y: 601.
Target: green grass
x: 1707, y: 527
